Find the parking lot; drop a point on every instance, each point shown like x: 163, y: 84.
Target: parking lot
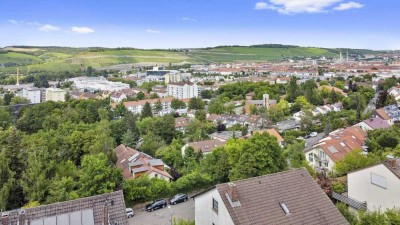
x: 163, y: 216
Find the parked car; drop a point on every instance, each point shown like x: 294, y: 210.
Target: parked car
x: 313, y: 134
x: 178, y: 199
x: 129, y: 212
x: 157, y: 204
x: 307, y: 136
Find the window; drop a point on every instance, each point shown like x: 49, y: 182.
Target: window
x: 215, y: 205
x: 310, y: 157
x: 378, y: 180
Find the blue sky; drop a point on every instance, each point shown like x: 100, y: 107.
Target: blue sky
x: 370, y: 24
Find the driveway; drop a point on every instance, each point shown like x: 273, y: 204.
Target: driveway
x: 183, y: 210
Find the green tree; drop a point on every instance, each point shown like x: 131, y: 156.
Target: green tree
x: 196, y: 103
x: 128, y: 138
x: 292, y: 90
x: 339, y: 84
x: 19, y: 100
x: 274, y: 114
x: 353, y: 161
x: 98, y: 176
x: 7, y: 182
x: 151, y: 143
x: 216, y: 107
x: 158, y: 106
x: 140, y: 95
x: 146, y: 111
x: 5, y: 118
x: 201, y: 115
x: 295, y: 154
x: 260, y: 155
x: 177, y: 104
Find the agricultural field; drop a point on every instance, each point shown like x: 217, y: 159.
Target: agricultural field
x: 58, y: 59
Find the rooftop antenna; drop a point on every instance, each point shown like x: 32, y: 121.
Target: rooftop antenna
x: 17, y: 75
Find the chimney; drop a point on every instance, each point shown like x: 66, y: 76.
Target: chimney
x: 21, y: 218
x: 233, y: 193
x: 392, y: 161
x: 4, y: 219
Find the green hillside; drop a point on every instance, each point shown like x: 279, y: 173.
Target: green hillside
x: 63, y: 58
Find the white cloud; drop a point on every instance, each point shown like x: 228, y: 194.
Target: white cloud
x: 14, y: 22
x: 297, y: 6
x: 348, y: 5
x: 187, y: 19
x: 153, y: 31
x: 82, y: 30
x: 48, y: 28
x: 261, y: 6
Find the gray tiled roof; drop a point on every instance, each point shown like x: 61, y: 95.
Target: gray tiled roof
x: 90, y: 210
x: 260, y: 199
x: 156, y: 162
x: 140, y: 169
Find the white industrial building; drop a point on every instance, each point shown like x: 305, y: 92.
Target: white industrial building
x: 34, y: 95
x: 97, y: 84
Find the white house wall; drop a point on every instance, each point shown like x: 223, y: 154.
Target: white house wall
x: 204, y: 213
x: 361, y: 188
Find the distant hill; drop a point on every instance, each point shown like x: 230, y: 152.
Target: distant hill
x: 64, y: 58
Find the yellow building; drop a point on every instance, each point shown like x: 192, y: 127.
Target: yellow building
x: 55, y: 94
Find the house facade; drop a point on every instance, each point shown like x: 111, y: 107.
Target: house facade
x: 290, y: 197
x: 334, y: 147
x: 134, y: 164
x: 373, y: 123
x: 55, y: 94
x: 378, y: 185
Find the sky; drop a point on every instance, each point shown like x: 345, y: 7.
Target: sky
x: 371, y: 24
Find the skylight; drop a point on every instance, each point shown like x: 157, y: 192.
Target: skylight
x: 284, y: 208
x: 332, y: 149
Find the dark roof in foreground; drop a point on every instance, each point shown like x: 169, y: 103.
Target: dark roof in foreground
x: 260, y: 199
x: 96, y: 210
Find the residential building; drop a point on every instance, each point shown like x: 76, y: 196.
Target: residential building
x: 290, y: 197
x: 134, y: 164
x: 377, y: 185
x: 226, y: 135
x: 390, y: 114
x: 395, y: 92
x: 34, y: 95
x: 55, y: 94
x: 206, y: 146
x: 96, y: 210
x: 273, y: 133
x: 137, y: 106
x: 337, y: 107
x: 282, y: 80
x: 373, y: 123
x: 334, y: 147
x: 181, y: 123
x: 183, y: 90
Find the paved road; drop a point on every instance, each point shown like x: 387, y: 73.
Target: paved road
x: 183, y: 210
x: 371, y: 104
